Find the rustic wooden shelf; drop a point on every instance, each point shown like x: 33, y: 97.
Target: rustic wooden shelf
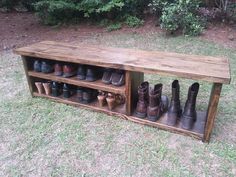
x: 135, y: 63
x: 99, y: 85
x: 196, y: 132
x: 118, y: 110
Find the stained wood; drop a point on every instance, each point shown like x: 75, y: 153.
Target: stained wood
x: 212, y: 110
x: 196, y: 132
x: 128, y: 93
x: 25, y: 65
x: 204, y: 68
x: 75, y: 81
x: 118, y: 110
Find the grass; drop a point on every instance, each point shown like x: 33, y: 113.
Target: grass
x: 39, y: 137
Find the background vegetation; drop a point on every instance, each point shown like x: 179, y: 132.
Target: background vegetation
x: 185, y: 16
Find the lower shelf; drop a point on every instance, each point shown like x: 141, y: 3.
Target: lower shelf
x: 118, y: 110
x: 197, y: 131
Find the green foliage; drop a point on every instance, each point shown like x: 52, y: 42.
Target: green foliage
x: 179, y: 15
x: 114, y: 26
x: 54, y: 12
x: 133, y: 21
x: 9, y: 4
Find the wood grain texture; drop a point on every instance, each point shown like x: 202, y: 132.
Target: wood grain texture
x: 26, y: 68
x: 212, y: 110
x: 119, y: 111
x: 195, y: 67
x: 99, y: 85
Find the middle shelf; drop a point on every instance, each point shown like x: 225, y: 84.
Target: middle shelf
x: 98, y: 84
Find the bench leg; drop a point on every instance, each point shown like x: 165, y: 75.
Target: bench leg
x: 212, y: 110
x: 27, y: 75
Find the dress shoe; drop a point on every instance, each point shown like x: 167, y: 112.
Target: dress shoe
x: 81, y: 72
x: 189, y: 115
x: 58, y: 69
x: 118, y: 78
x: 107, y: 76
x: 80, y: 94
x: 69, y: 70
x: 47, y: 87
x: 157, y: 103
x: 39, y: 87
x: 46, y: 67
x: 55, y: 89
x: 88, y: 95
x: 141, y: 108
x: 174, y: 110
x: 37, y: 66
x: 91, y: 74
x: 66, y: 91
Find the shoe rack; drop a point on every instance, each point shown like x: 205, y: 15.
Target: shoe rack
x: 135, y: 63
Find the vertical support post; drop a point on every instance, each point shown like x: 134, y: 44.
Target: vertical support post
x: 212, y: 110
x: 128, y: 93
x: 133, y: 80
x: 26, y: 73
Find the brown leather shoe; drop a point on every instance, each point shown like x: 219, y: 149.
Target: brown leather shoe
x: 39, y: 87
x: 174, y: 110
x: 58, y: 69
x: 189, y: 115
x: 157, y: 103
x: 69, y: 70
x: 141, y: 108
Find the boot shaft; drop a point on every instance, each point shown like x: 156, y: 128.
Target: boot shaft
x: 175, y: 90
x: 155, y: 96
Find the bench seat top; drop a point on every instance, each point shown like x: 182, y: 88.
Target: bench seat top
x: 205, y: 68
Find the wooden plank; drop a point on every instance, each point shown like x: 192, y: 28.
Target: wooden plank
x: 74, y: 81
x: 212, y: 110
x: 25, y: 64
x: 128, y: 93
x: 120, y: 112
x: 204, y: 68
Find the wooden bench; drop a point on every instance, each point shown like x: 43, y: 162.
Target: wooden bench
x: 135, y: 63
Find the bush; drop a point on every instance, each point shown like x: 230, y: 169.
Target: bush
x: 10, y: 4
x: 50, y: 11
x: 133, y: 21
x: 179, y: 15
x: 114, y: 26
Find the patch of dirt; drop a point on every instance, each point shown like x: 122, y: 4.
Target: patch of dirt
x: 19, y: 29
x: 221, y: 34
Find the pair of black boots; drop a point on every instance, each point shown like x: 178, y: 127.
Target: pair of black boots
x: 114, y: 77
x: 189, y: 115
x: 45, y: 67
x: 88, y: 73
x: 86, y: 95
x: 66, y: 90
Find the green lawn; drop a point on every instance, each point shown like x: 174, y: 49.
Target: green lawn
x: 39, y: 137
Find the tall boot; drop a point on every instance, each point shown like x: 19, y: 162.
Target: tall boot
x: 174, y: 110
x: 141, y: 108
x: 189, y: 115
x: 153, y: 109
x: 157, y: 103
